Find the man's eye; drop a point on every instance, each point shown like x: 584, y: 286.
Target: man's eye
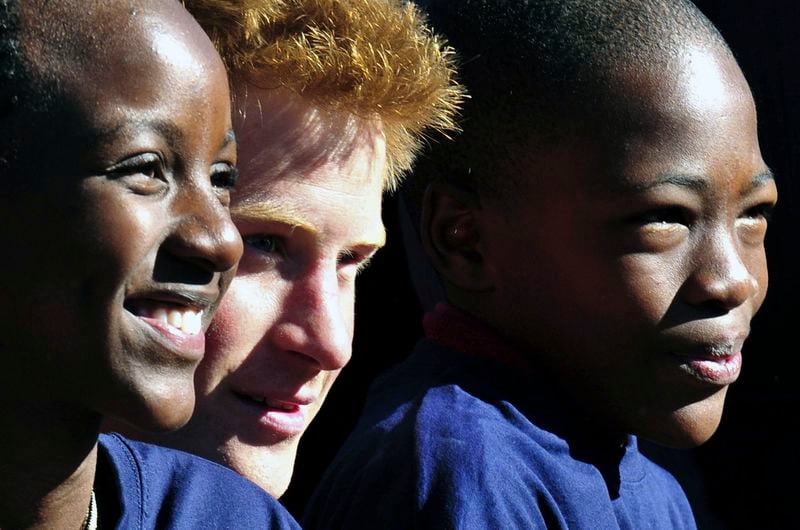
x: 224, y: 176
x: 263, y: 243
x: 347, y: 258
x: 350, y: 258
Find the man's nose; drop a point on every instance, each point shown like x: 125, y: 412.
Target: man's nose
x: 320, y: 323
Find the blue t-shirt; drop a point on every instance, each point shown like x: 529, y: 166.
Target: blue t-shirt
x: 449, y: 440
x: 155, y: 487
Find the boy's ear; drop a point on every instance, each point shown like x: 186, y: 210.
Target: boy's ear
x: 451, y: 236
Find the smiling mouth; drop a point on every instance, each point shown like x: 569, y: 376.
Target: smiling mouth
x: 270, y: 403
x: 176, y: 317
x: 273, y: 419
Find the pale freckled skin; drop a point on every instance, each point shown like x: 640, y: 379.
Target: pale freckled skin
x: 308, y: 206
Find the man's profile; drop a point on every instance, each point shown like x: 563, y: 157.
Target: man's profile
x: 332, y: 101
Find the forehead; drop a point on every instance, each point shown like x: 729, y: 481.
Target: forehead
x: 112, y: 47
x: 308, y: 169
x: 106, y: 66
x: 695, y: 116
x: 691, y: 94
x: 284, y: 139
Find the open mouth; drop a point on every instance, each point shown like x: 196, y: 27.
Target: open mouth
x: 181, y: 318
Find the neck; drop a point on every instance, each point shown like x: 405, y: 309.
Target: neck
x: 48, y: 455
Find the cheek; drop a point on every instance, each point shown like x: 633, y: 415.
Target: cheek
x: 347, y: 306
x: 649, y: 285
x: 125, y: 242
x: 246, y: 313
x: 329, y: 378
x: 248, y: 307
x: 757, y: 265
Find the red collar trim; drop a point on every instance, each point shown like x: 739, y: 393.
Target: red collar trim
x: 452, y: 328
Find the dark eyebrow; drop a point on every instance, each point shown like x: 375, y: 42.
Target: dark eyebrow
x: 174, y: 133
x: 230, y: 137
x: 670, y: 179
x: 624, y: 186
x: 691, y: 182
x: 761, y: 179
x: 167, y: 129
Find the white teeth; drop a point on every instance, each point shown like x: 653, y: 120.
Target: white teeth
x: 192, y: 322
x: 189, y: 321
x: 160, y: 314
x: 175, y: 318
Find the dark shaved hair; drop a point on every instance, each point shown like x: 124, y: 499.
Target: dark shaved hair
x: 9, y: 45
x: 41, y: 42
x: 23, y: 80
x: 20, y: 84
x: 534, y: 68
x: 37, y: 38
x: 9, y: 73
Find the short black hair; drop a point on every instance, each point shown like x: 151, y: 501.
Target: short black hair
x: 36, y: 47
x: 9, y: 41
x: 9, y: 71
x: 21, y: 82
x: 532, y: 67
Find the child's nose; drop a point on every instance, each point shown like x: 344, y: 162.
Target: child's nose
x: 205, y: 236
x: 722, y: 277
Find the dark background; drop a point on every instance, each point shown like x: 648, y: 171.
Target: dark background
x: 747, y: 475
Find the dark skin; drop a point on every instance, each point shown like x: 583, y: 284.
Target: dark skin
x: 632, y: 260
x: 116, y: 216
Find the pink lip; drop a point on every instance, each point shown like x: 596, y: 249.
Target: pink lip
x: 717, y: 370
x: 191, y: 347
x: 284, y: 418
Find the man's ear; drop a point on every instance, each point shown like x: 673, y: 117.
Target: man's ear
x: 451, y: 236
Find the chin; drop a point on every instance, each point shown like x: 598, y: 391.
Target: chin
x: 276, y: 486
x: 157, y: 410
x: 688, y: 426
x: 270, y: 468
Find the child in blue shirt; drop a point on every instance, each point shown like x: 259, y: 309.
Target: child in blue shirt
x: 599, y: 230
x: 117, y: 159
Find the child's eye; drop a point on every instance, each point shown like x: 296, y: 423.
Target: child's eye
x: 761, y: 211
x: 665, y: 216
x: 143, y: 174
x: 265, y: 243
x: 658, y: 228
x: 752, y: 224
x: 224, y: 176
